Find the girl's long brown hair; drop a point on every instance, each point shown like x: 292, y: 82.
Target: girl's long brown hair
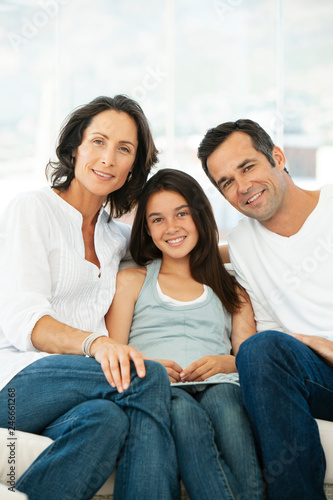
x: 205, y: 260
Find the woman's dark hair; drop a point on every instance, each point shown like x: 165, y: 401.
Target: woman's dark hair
x: 214, y: 137
x: 61, y: 172
x: 205, y: 260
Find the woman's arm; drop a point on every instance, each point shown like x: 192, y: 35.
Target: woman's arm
x: 50, y: 335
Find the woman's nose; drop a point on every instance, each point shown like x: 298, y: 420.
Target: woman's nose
x: 108, y: 157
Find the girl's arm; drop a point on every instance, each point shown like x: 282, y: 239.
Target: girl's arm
x: 243, y: 323
x: 118, y: 322
x: 120, y: 315
x: 243, y: 326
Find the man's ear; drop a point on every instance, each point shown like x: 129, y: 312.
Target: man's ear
x: 279, y: 158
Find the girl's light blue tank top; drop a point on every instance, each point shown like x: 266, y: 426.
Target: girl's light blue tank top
x: 182, y: 333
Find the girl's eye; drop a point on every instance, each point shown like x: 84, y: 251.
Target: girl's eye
x: 157, y: 219
x: 182, y: 214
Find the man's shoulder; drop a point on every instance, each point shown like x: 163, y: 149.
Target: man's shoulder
x: 326, y: 192
x: 244, y: 227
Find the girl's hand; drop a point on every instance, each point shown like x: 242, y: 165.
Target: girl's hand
x: 172, y: 368
x: 208, y: 366
x: 115, y: 361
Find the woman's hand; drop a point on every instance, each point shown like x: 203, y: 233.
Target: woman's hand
x: 208, y: 366
x: 172, y: 368
x: 115, y: 360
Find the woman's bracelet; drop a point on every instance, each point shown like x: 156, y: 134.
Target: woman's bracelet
x: 86, y: 344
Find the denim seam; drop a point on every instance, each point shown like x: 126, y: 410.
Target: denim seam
x: 318, y: 385
x: 70, y: 419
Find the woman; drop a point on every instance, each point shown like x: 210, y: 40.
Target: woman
x: 185, y: 308
x: 60, y: 252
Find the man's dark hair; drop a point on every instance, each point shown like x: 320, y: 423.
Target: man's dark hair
x: 261, y: 141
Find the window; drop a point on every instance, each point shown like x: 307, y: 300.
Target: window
x: 191, y: 65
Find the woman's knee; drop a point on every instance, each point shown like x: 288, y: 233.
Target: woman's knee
x: 104, y: 416
x: 156, y: 371
x: 157, y: 378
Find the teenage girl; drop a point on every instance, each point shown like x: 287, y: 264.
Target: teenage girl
x: 186, y: 311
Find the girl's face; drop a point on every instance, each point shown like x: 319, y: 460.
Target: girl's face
x: 170, y: 224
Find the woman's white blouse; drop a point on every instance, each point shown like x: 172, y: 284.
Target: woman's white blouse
x: 43, y: 271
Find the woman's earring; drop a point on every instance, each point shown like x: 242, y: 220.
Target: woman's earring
x: 129, y: 177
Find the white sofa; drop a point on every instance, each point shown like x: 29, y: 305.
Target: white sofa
x: 29, y: 446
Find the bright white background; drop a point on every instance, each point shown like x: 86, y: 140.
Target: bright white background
x: 191, y: 64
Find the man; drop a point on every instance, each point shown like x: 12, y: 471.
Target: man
x: 282, y: 253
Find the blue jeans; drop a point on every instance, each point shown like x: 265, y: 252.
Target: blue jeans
x: 67, y: 398
x: 214, y: 442
x: 285, y: 386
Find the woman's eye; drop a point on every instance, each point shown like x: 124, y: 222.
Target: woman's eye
x: 124, y: 149
x: 98, y: 141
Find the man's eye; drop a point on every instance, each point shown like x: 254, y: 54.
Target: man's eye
x: 226, y: 184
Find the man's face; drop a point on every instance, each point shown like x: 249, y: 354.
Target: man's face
x: 246, y: 178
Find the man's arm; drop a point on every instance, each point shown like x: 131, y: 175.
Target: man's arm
x: 224, y: 252
x: 263, y: 317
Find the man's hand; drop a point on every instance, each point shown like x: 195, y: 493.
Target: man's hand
x: 208, y: 366
x: 115, y: 360
x: 322, y: 347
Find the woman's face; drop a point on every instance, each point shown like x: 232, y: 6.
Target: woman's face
x: 106, y: 154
